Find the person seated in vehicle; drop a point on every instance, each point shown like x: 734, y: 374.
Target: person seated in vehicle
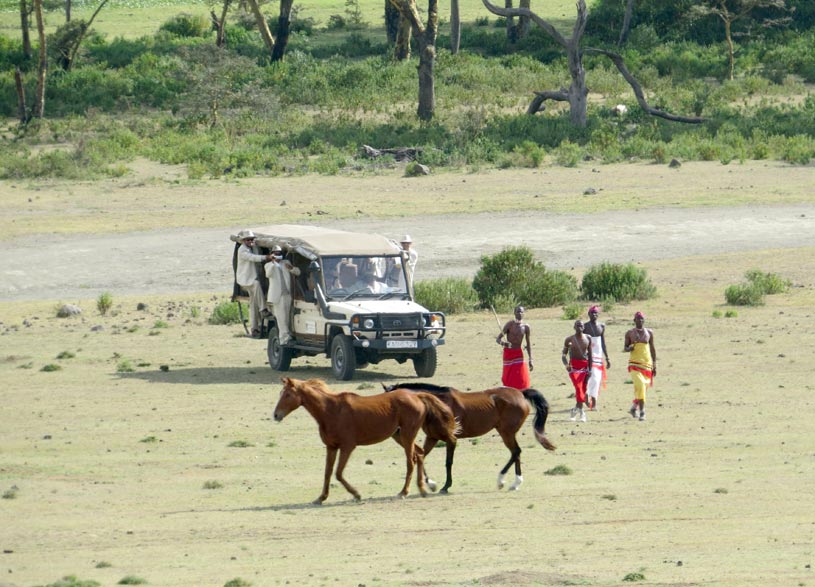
x: 368, y: 281
x: 279, y: 272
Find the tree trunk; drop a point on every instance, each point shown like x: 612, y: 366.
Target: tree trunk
x: 220, y: 24
x: 401, y: 50
x: 22, y: 109
x: 392, y: 19
x: 427, y: 84
x: 512, y: 32
x: 522, y: 30
x: 263, y: 26
x: 455, y: 27
x: 67, y: 10
x: 283, y: 31
x: 578, y: 91
x: 629, y: 13
x: 731, y: 53
x: 24, y: 28
x: 38, y: 110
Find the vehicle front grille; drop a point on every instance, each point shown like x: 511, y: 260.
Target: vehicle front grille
x: 401, y: 322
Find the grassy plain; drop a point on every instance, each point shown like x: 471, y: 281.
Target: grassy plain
x: 155, y: 196
x: 104, y: 472
x: 112, y: 466
x: 133, y: 19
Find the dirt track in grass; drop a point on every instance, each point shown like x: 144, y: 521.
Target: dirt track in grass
x: 193, y: 260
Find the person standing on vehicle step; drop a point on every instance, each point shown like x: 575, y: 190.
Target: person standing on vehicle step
x: 246, y: 275
x: 412, y: 258
x: 597, y: 331
x: 279, y: 272
x: 515, y: 373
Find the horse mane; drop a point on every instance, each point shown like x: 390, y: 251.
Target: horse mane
x: 427, y: 387
x: 316, y: 384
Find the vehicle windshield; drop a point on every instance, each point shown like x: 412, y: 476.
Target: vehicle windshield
x: 369, y: 277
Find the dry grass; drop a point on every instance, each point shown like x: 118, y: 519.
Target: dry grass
x: 154, y: 197
x: 714, y: 489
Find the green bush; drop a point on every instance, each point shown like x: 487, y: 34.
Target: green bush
x: 502, y: 274
x: 104, y: 302
x: 546, y: 288
x: 572, y: 311
x: 768, y: 283
x: 225, y: 313
x: 744, y: 294
x: 618, y: 282
x: 448, y: 295
x: 72, y: 581
x: 187, y: 25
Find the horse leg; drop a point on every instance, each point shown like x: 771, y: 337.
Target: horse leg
x: 418, y: 459
x: 515, y: 451
x: 345, y: 454
x: 330, y: 457
x: 448, y: 463
x: 429, y: 444
x: 406, y: 440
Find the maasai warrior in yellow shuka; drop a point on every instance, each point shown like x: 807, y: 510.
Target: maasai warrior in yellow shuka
x: 642, y: 362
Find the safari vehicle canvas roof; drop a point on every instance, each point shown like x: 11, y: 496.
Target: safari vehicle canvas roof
x: 322, y: 241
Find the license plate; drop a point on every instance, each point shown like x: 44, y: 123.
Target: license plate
x: 402, y: 344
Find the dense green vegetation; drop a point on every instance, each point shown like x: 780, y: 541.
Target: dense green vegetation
x: 174, y: 97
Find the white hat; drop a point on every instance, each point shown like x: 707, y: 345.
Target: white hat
x: 406, y: 239
x: 277, y: 249
x: 245, y: 234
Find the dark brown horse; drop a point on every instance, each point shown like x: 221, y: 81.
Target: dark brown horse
x: 503, y: 408
x: 348, y: 420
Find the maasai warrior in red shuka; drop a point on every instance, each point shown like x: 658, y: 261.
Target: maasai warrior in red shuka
x: 515, y: 372
x: 578, y: 366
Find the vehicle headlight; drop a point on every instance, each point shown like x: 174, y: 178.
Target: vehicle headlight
x: 368, y: 323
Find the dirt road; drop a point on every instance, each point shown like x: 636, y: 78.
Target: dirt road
x: 193, y: 260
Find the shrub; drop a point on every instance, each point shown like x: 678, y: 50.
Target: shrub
x: 621, y: 283
x: 132, y: 580
x: 448, y: 295
x: 187, y: 25
x: 104, y: 302
x: 72, y: 581
x: 125, y: 366
x: 503, y: 273
x: 768, y: 283
x: 225, y: 313
x: 50, y: 367
x: 744, y: 294
x: 572, y: 311
x: 544, y: 288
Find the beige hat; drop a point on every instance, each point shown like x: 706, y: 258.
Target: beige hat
x: 245, y: 234
x: 406, y: 239
x: 277, y: 249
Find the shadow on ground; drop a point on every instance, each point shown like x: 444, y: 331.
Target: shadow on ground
x: 256, y: 375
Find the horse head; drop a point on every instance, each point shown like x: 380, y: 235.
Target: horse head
x: 290, y: 398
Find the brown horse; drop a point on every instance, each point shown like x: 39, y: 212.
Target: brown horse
x: 348, y: 420
x: 503, y: 408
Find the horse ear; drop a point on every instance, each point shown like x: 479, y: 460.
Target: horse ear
x: 285, y: 380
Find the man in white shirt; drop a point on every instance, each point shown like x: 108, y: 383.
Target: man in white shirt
x: 279, y: 272
x: 412, y: 257
x: 247, y: 277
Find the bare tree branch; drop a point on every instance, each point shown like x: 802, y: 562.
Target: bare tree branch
x: 526, y: 12
x: 618, y: 61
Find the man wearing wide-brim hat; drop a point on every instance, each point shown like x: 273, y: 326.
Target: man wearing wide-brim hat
x: 247, y: 277
x: 412, y: 257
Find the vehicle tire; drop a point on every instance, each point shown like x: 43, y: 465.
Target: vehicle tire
x: 425, y: 363
x: 343, y: 357
x: 279, y: 357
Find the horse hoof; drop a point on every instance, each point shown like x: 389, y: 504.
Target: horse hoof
x: 431, y: 485
x: 443, y: 491
x: 317, y: 501
x: 357, y: 498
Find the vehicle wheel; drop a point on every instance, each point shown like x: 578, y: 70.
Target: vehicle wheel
x: 343, y: 357
x: 425, y: 364
x: 279, y: 357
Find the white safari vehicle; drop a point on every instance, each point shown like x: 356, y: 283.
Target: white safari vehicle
x: 352, y: 301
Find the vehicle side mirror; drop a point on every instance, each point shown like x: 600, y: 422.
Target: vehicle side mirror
x: 314, y: 267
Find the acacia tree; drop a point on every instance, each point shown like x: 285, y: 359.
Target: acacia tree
x: 629, y: 13
x: 425, y: 34
x: 577, y: 92
x: 25, y: 15
x: 38, y: 110
x: 729, y: 11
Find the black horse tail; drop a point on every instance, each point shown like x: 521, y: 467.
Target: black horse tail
x: 439, y: 423
x: 536, y: 398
